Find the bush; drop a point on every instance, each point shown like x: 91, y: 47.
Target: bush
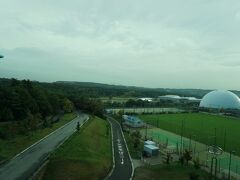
x: 196, y: 163
x: 194, y: 176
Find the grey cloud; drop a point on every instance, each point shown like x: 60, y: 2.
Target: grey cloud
x: 122, y: 42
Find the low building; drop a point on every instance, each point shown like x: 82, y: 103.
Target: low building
x: 146, y: 99
x: 149, y: 143
x: 178, y: 99
x: 133, y: 121
x: 151, y: 150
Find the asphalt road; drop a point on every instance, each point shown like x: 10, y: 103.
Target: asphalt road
x: 24, y: 165
x: 123, y: 166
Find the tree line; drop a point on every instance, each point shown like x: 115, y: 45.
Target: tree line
x: 26, y: 105
x: 21, y: 99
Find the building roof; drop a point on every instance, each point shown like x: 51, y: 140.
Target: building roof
x: 176, y: 97
x: 131, y: 118
x: 171, y: 96
x: 146, y: 99
x: 152, y: 147
x: 149, y: 142
x: 220, y: 99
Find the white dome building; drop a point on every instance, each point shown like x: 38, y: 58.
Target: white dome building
x: 220, y: 99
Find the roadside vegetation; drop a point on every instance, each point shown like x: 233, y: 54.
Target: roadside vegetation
x: 11, y: 146
x: 85, y: 155
x: 30, y: 110
x: 25, y: 102
x: 201, y: 127
x: 166, y: 172
x: 134, y: 143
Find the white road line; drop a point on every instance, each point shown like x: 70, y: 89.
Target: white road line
x: 127, y: 150
x: 42, y: 139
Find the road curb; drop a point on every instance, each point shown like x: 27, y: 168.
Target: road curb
x: 127, y: 149
x: 113, y: 156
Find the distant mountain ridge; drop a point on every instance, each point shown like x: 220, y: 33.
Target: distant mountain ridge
x: 94, y: 89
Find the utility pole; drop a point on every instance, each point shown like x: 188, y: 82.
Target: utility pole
x: 229, y: 165
x: 215, y: 137
x: 190, y: 143
x: 224, y: 142
x: 146, y: 131
x: 181, y: 138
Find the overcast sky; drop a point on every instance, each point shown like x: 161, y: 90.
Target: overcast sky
x: 152, y: 43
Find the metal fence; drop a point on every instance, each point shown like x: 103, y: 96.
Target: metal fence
x: 199, y: 150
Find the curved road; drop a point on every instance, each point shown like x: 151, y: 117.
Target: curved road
x: 123, y: 166
x: 26, y: 163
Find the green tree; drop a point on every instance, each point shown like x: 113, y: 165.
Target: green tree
x: 67, y: 105
x: 187, y: 155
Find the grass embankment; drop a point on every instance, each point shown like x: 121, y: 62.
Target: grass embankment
x: 85, y: 155
x: 12, y: 146
x: 166, y: 172
x: 201, y: 127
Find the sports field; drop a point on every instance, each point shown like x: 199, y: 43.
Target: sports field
x: 201, y: 127
x: 199, y: 150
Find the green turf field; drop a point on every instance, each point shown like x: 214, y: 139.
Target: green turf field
x: 201, y: 127
x: 85, y: 155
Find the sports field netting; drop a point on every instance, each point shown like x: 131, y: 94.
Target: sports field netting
x: 198, y: 149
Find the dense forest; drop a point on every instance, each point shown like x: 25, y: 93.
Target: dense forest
x: 21, y: 100
x: 95, y: 90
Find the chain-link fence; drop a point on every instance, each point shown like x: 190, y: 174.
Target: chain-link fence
x: 177, y: 144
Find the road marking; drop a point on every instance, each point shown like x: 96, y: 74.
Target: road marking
x: 126, y: 147
x: 120, y: 149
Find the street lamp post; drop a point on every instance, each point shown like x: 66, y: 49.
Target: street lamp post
x: 230, y: 161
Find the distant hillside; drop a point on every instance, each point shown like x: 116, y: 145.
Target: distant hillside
x: 94, y: 90
x: 120, y: 90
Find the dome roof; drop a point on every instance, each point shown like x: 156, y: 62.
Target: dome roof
x: 219, y: 99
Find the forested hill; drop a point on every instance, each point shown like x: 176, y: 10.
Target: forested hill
x: 95, y: 90
x: 23, y: 99
x: 99, y: 90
